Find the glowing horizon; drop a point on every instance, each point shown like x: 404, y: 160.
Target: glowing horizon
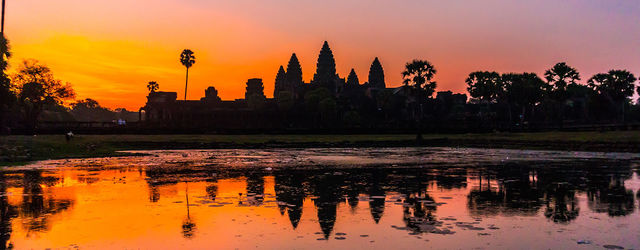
x: 109, y: 50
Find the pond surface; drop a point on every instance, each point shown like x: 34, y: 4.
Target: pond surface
x: 395, y: 198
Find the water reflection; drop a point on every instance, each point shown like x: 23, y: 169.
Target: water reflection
x: 188, y: 225
x: 443, y: 200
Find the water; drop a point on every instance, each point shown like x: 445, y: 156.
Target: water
x: 398, y: 198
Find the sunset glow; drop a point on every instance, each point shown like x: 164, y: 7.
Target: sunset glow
x: 109, y: 50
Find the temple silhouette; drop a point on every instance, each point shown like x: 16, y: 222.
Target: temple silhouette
x: 327, y: 101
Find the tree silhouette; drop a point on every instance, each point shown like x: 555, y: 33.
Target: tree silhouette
x: 560, y: 76
x: 90, y: 110
x: 418, y: 77
x: 153, y: 86
x: 524, y: 91
x: 376, y: 75
x: 187, y: 59
x: 484, y: 85
x: 7, y: 97
x: 616, y: 86
x: 37, y: 87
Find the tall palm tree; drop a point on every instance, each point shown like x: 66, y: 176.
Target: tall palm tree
x: 559, y: 77
x: 418, y: 77
x: 187, y: 59
x: 153, y: 86
x: 2, y: 25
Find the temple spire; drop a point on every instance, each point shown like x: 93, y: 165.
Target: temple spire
x: 376, y: 75
x: 326, y: 68
x: 294, y: 72
x: 280, y: 82
x: 352, y: 79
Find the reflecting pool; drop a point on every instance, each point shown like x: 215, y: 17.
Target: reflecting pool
x: 389, y: 198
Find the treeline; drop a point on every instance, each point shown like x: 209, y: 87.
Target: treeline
x: 521, y: 98
x: 507, y: 101
x: 32, y: 95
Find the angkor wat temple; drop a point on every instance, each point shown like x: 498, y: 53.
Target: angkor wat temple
x: 329, y: 101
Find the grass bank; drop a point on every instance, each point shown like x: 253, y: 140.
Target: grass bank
x: 21, y: 149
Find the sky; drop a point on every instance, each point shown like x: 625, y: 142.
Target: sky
x: 109, y: 49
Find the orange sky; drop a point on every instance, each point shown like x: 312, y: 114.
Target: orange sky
x: 109, y: 49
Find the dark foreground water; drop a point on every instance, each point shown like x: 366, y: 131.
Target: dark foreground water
x: 400, y: 198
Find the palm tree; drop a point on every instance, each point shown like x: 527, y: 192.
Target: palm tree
x: 2, y: 28
x: 418, y: 77
x: 616, y: 86
x: 153, y: 86
x: 559, y: 77
x: 187, y: 59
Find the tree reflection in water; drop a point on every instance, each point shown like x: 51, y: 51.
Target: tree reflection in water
x: 7, y: 213
x: 609, y: 194
x: 531, y: 189
x: 38, y: 205
x: 188, y: 225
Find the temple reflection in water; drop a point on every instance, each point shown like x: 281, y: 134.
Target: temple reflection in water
x: 33, y: 201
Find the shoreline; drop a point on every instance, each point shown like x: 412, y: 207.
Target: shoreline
x: 21, y: 150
